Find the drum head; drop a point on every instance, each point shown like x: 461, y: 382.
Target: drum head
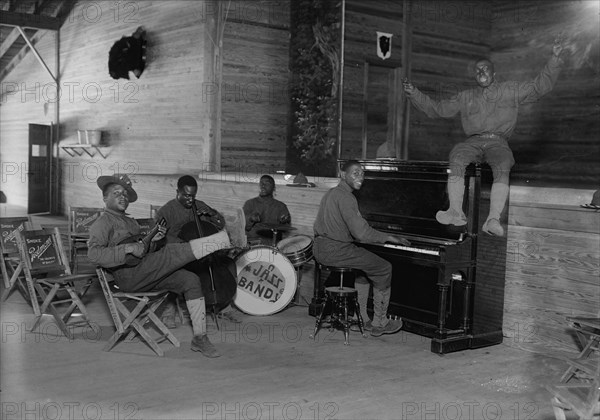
x: 297, y: 248
x: 266, y: 281
x: 294, y: 244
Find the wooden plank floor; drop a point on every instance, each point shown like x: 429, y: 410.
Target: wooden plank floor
x: 270, y: 369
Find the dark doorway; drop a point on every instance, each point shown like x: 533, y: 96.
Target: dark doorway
x: 38, y: 173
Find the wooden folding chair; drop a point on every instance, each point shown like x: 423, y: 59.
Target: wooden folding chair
x: 49, y: 278
x: 11, y: 261
x: 80, y: 220
x: 137, y: 321
x: 146, y: 224
x: 579, y: 387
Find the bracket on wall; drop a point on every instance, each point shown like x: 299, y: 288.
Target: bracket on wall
x: 90, y: 150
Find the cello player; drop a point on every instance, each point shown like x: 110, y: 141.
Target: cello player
x: 157, y: 270
x: 177, y: 213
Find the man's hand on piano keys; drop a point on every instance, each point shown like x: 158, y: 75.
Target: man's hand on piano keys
x: 394, y: 239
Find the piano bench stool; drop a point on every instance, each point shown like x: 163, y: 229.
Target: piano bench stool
x: 340, y: 301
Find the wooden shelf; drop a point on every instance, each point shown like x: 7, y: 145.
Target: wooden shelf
x: 90, y: 150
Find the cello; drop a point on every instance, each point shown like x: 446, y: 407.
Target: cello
x: 217, y: 271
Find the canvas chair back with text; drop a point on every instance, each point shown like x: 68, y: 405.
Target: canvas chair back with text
x: 80, y: 220
x: 11, y: 261
x: 50, y: 281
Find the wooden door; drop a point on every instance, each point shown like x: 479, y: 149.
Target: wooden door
x: 38, y: 173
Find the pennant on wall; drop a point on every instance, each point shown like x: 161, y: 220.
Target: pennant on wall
x: 384, y: 45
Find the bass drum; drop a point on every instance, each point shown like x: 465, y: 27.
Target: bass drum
x: 297, y: 248
x: 266, y: 281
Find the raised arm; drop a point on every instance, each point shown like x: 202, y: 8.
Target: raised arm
x: 544, y: 82
x: 446, y: 108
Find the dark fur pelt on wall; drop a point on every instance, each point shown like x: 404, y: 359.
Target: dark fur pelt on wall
x: 128, y: 54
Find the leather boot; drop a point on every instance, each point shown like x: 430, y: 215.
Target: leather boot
x: 202, y: 247
x: 200, y: 342
x: 381, y: 323
x: 363, y: 296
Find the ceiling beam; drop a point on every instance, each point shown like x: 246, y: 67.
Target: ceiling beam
x: 18, y: 57
x: 35, y: 52
x: 9, y: 40
x: 29, y: 21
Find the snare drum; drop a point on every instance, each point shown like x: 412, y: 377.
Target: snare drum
x: 266, y: 281
x: 297, y: 248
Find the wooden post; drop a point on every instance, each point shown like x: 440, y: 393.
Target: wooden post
x: 341, y: 86
x: 406, y: 53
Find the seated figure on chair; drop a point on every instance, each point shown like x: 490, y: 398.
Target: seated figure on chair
x: 264, y: 209
x: 177, y: 213
x: 489, y: 115
x: 337, y: 226
x: 156, y: 269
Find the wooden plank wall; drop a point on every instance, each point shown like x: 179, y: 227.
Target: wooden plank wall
x: 446, y: 38
x: 556, y: 139
x: 553, y: 267
x: 362, y: 21
x: 158, y: 124
x: 553, y: 260
x: 25, y: 101
x: 255, y: 86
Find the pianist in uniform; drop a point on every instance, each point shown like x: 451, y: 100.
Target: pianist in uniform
x: 489, y: 115
x: 337, y: 226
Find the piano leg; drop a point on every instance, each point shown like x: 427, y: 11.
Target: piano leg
x: 466, y: 306
x: 443, y: 293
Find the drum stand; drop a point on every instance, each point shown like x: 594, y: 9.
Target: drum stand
x: 297, y: 269
x: 274, y: 241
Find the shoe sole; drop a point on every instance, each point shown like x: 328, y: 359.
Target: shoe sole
x: 212, y: 355
x: 383, y: 332
x: 233, y: 321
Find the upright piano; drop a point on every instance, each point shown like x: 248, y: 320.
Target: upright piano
x: 449, y: 283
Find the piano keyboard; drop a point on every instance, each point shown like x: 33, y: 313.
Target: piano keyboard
x: 429, y: 251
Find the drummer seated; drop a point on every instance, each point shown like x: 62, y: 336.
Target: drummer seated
x: 265, y: 209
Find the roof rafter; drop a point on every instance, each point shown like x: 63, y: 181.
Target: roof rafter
x: 26, y: 20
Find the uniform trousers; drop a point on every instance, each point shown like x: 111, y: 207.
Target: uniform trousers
x: 162, y: 270
x: 345, y: 254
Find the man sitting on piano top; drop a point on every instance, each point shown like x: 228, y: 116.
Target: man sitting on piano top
x: 489, y: 115
x: 337, y: 226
